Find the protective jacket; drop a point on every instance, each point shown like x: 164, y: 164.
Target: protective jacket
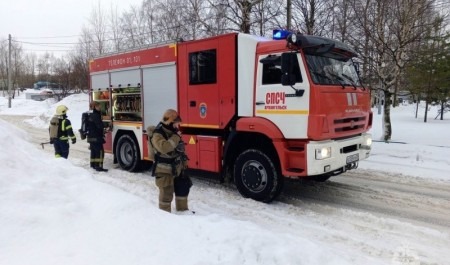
x: 65, y: 131
x: 168, y: 160
x: 96, y: 127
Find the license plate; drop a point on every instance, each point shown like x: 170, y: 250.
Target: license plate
x: 352, y: 158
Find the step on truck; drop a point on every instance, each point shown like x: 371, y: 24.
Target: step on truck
x: 255, y: 111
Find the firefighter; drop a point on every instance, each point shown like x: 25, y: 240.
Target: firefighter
x: 170, y: 162
x: 60, y: 131
x: 95, y: 137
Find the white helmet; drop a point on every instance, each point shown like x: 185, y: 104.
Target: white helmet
x: 61, y: 110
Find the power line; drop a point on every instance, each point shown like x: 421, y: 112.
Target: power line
x: 46, y: 50
x: 52, y: 44
x: 45, y: 43
x: 49, y: 37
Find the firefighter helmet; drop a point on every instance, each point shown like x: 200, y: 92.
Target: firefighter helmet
x: 61, y: 110
x: 94, y: 104
x: 170, y: 116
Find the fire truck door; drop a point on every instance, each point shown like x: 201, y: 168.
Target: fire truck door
x: 280, y: 104
x: 202, y: 86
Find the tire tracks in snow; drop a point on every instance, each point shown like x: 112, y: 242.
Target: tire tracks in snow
x: 418, y: 201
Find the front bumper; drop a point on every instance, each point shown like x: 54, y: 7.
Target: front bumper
x: 345, y: 153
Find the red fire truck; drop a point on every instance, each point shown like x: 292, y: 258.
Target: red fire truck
x: 254, y: 110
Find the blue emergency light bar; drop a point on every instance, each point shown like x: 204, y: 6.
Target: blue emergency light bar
x: 280, y: 34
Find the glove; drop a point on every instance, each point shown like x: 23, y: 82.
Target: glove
x: 180, y: 147
x: 52, y: 140
x: 182, y: 184
x: 74, y: 140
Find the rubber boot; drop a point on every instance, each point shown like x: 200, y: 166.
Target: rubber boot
x: 181, y: 203
x: 165, y: 198
x: 164, y: 206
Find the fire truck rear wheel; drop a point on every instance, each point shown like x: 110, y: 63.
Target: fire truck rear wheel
x: 256, y: 176
x: 127, y: 153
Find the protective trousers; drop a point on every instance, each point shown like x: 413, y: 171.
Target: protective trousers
x: 182, y: 185
x: 165, y: 183
x: 97, y: 154
x: 61, y: 148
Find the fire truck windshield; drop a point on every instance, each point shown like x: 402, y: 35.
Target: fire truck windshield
x: 329, y: 71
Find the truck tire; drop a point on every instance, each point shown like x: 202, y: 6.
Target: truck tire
x: 127, y: 152
x: 256, y: 176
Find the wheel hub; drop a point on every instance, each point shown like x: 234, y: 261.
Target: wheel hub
x: 254, y: 176
x: 126, y: 153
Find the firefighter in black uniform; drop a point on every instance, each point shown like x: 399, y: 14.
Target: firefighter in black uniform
x: 61, y: 131
x: 95, y: 137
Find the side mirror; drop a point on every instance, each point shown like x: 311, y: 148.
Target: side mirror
x: 287, y: 67
x: 288, y: 79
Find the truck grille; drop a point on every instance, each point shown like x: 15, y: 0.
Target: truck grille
x: 349, y: 124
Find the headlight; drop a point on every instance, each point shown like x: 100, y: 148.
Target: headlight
x: 294, y: 38
x: 323, y: 153
x: 367, y: 144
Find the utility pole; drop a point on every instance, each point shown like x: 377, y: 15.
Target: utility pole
x: 9, y: 73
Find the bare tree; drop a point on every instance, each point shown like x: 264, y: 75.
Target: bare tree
x: 17, y: 64
x: 267, y: 14
x: 135, y: 27
x: 149, y: 13
x: 18, y: 67
x: 391, y: 26
x: 3, y: 65
x: 115, y: 29
x: 44, y: 67
x: 79, y: 61
x: 61, y: 72
x: 312, y: 17
x: 196, y: 17
x: 342, y: 20
x: 98, y: 27
x: 239, y: 13
x: 29, y: 70
x: 216, y: 21
x: 170, y: 23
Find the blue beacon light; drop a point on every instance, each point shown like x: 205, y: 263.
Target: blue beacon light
x: 280, y: 34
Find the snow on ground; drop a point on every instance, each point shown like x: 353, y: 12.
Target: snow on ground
x: 44, y: 110
x: 52, y: 211
x: 416, y: 149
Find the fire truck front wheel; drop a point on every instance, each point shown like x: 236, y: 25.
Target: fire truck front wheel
x: 127, y: 153
x: 256, y: 176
